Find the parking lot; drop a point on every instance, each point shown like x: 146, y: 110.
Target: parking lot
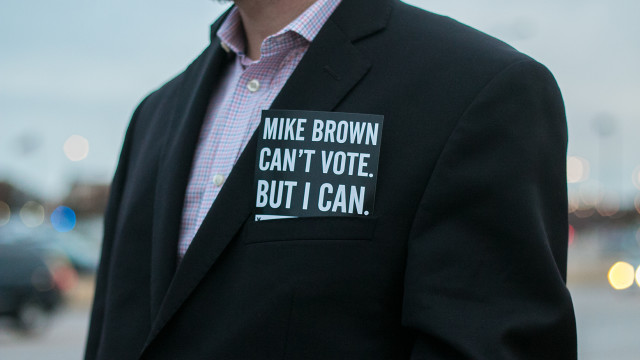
x: 608, y: 328
x: 64, y: 340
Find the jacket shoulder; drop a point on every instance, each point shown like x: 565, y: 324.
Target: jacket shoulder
x: 161, y: 102
x: 445, y: 37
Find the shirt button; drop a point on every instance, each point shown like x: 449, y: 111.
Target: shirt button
x: 218, y: 180
x: 253, y: 85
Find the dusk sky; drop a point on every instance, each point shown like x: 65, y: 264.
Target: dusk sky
x: 81, y: 66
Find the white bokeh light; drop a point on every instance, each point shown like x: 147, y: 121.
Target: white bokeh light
x: 577, y: 169
x: 32, y: 214
x: 621, y: 275
x: 5, y: 213
x: 609, y: 204
x: 590, y: 193
x: 636, y: 178
x: 76, y: 148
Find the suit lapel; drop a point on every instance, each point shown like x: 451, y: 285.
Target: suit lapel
x: 328, y: 71
x: 175, y: 166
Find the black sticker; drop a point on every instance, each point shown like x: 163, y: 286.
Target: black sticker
x: 316, y: 163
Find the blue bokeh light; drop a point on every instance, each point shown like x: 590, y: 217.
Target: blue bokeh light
x: 63, y: 219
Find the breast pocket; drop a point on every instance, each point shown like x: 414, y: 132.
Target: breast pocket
x: 309, y: 229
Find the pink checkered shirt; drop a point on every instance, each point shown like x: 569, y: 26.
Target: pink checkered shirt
x: 246, y: 89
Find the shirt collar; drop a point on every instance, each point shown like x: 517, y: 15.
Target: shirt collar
x: 307, y: 25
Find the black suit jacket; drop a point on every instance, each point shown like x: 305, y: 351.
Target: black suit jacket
x: 463, y: 257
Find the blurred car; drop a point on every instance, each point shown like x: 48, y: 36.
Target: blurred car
x: 81, y: 253
x: 29, y: 290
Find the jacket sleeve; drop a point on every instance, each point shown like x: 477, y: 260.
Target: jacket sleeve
x: 110, y: 225
x: 486, y: 264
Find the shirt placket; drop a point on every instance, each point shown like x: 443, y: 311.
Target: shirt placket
x: 236, y: 110
x: 247, y: 100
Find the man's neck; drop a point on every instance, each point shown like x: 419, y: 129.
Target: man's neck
x: 262, y: 18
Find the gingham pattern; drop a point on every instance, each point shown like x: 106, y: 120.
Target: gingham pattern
x: 234, y: 110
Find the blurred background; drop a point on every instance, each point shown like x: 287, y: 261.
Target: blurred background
x: 72, y: 71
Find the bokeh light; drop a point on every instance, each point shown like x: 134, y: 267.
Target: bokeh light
x: 76, y: 148
x: 5, y: 213
x: 609, y: 205
x: 32, y: 214
x: 65, y: 277
x: 577, y: 169
x: 590, y: 194
x: 574, y: 201
x: 621, y: 275
x: 636, y: 177
x: 63, y: 219
x: 584, y: 214
x: 572, y: 234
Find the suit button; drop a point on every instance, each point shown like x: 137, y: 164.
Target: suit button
x: 253, y: 85
x: 218, y: 180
